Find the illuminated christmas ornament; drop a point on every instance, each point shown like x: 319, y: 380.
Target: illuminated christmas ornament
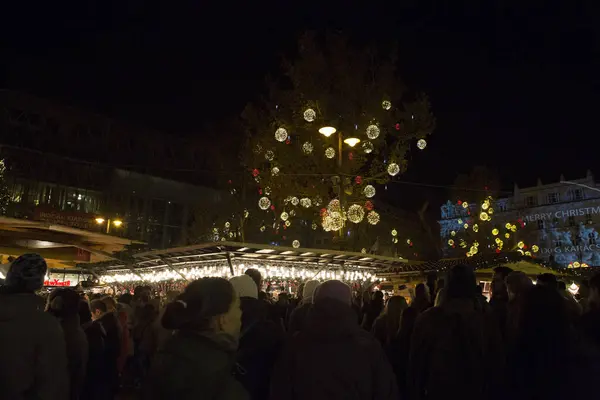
x: 255, y: 172
x: 227, y: 224
x: 393, y: 169
x: 330, y: 152
x: 294, y: 200
x: 369, y: 191
x: 485, y: 205
x: 284, y: 216
x: 395, y: 240
x: 309, y: 115
x: 274, y: 171
x: 296, y: 244
x: 305, y: 202
x: 288, y: 223
x: 576, y: 264
x: 507, y: 235
x: 474, y: 250
x: 535, y: 248
x: 369, y: 205
x: 281, y: 135
x: 368, y: 147
x: 215, y: 230
x: 528, y: 253
x: 372, y: 131
x: 495, y: 231
x: 421, y: 144
x: 584, y: 265
x: 484, y: 216
x: 465, y: 205
x: 386, y: 104
x: 476, y: 243
x: 292, y: 213
x: 268, y: 191
x: 307, y: 147
x: 269, y: 155
x: 475, y: 228
x: 408, y: 241
x: 317, y: 201
x: 262, y: 228
x: 463, y: 244
x: 355, y: 213
x: 459, y: 221
x: 466, y: 226
x: 394, y: 232
x: 513, y: 228
x: 246, y: 213
x: 450, y: 242
x: 397, y: 126
x: 334, y: 205
x: 453, y: 233
x: 520, y: 244
x: 337, y: 222
x: 223, y: 239
x: 508, y: 225
x: 314, y: 226
x: 358, y: 180
x: 363, y: 250
x: 264, y: 203
x: 490, y: 211
x: 373, y: 217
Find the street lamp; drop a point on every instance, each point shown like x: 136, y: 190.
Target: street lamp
x: 116, y: 222
x: 352, y: 141
x: 327, y: 131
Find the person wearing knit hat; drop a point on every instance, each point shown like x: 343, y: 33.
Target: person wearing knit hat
x: 298, y: 315
x: 244, y: 286
x: 24, y: 326
x: 345, y: 353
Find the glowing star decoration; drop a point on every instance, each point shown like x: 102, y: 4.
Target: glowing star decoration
x: 309, y: 115
x: 264, y: 203
x: 355, y: 213
x: 450, y: 242
x: 295, y: 201
x: 284, y: 216
x: 369, y: 191
x: 520, y: 244
x: 307, y: 147
x: 269, y: 155
x: 330, y: 152
x: 394, y: 232
x: 495, y: 231
x: 484, y: 216
x: 453, y: 233
x: 368, y: 147
x: 281, y: 135
x: 421, y: 144
x: 386, y: 104
x: 475, y: 228
x: 535, y: 248
x: 373, y: 217
x: 393, y: 169
x: 465, y: 205
x: 296, y: 244
x: 373, y: 131
x: 274, y: 171
x: 305, y: 202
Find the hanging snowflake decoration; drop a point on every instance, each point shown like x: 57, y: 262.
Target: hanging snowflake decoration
x: 309, y: 115
x: 373, y: 217
x: 355, y: 213
x: 269, y: 155
x: 274, y: 171
x: 330, y: 152
x: 421, y: 144
x: 305, y: 202
x: 386, y: 104
x: 368, y: 147
x: 393, y: 169
x: 264, y: 203
x: 281, y: 135
x: 369, y: 191
x: 373, y: 131
x: 257, y: 149
x: 296, y: 244
x: 284, y: 216
x: 307, y: 147
x: 317, y: 201
x: 294, y: 200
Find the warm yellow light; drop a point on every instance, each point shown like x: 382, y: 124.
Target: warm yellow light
x: 350, y: 141
x: 521, y: 244
x: 495, y: 231
x: 99, y: 220
x: 117, y: 223
x: 576, y: 264
x: 327, y: 131
x: 535, y: 248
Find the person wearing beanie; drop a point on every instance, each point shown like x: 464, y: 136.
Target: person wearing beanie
x: 332, y: 356
x: 33, y: 355
x: 456, y: 349
x: 298, y: 315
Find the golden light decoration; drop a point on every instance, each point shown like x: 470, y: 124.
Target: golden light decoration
x: 394, y: 232
x: 475, y: 228
x: 227, y: 224
x: 355, y: 213
x: 337, y: 221
x: 373, y: 131
x: 386, y: 104
x: 507, y: 235
x: 395, y: 240
x: 334, y: 205
x: 305, y: 202
x: 495, y: 231
x: 373, y: 217
x: 295, y: 201
x: 584, y: 265
x: 407, y: 241
x: 369, y: 191
x: 264, y: 203
x: 317, y: 201
x: 513, y: 228
x: 453, y: 233
x: 268, y: 190
x: 327, y: 131
x: 284, y: 216
x: 459, y: 221
x: 521, y: 252
x: 352, y: 141
x: 269, y: 155
x: 450, y: 242
x: 499, y: 241
x: 292, y: 213
x: 274, y: 171
x: 310, y: 115
x: 528, y: 253
x: 281, y: 134
x: 314, y: 226
x: 368, y: 147
x: 521, y: 244
x: 469, y: 254
x: 262, y: 228
x: 363, y: 250
x: 485, y: 205
x: 330, y: 152
x: 421, y: 144
x: 466, y: 226
x: 307, y: 147
x: 508, y: 225
x: 462, y: 243
x: 296, y: 244
x: 465, y: 205
x: 490, y: 211
x: 476, y: 243
x: 288, y: 223
x: 535, y: 248
x: 473, y: 250
x: 393, y: 169
x: 484, y: 216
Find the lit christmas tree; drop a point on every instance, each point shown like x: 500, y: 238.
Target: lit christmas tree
x: 338, y: 124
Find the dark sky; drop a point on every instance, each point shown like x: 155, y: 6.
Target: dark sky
x: 513, y: 87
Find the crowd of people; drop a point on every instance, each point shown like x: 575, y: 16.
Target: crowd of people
x: 227, y: 339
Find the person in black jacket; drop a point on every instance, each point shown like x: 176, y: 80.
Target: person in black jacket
x: 112, y: 342
x: 95, y: 383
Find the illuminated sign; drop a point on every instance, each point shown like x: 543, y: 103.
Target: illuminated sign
x: 58, y: 283
x: 576, y: 212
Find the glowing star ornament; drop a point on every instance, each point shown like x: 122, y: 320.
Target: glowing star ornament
x: 535, y: 248
x: 310, y: 115
x: 330, y: 152
x: 373, y: 217
x: 264, y: 203
x: 296, y: 244
x: 355, y: 213
x: 274, y: 171
x: 269, y: 155
x: 484, y: 216
x: 281, y: 135
x: 386, y: 104
x: 307, y: 147
x: 421, y: 144
x: 393, y: 169
x: 373, y: 131
x: 368, y: 147
x: 369, y: 191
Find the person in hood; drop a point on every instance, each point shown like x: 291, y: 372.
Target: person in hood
x: 456, y: 348
x: 197, y: 362
x: 33, y: 355
x: 64, y: 305
x: 298, y: 316
x: 332, y: 357
x: 260, y: 340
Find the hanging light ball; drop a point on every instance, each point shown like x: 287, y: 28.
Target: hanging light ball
x: 490, y: 211
x: 295, y: 201
x: 535, y: 248
x: 368, y: 147
x: 284, y: 216
x: 373, y: 217
x: 309, y: 115
x: 521, y: 244
x: 307, y: 147
x: 314, y: 226
x: 262, y: 228
x: 394, y: 232
x: 274, y: 171
x: 227, y: 224
x: 386, y: 104
x: 369, y: 205
x: 369, y: 191
x: 395, y: 240
x: 334, y: 205
x: 373, y: 131
x: 281, y: 134
x: 450, y: 242
x: 292, y: 213
x: 317, y: 201
x: 475, y: 228
x: 296, y: 244
x: 484, y: 216
x: 465, y: 205
x: 336, y: 221
x: 288, y: 223
x: 495, y: 231
x: 453, y: 233
x: 269, y: 155
x: 305, y: 202
x: 355, y: 213
x: 264, y: 203
x: 466, y: 226
x: 485, y: 205
x: 507, y: 235
x: 421, y: 144
x: 393, y: 169
x: 330, y: 152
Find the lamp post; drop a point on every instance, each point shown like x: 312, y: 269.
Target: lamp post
x: 116, y: 222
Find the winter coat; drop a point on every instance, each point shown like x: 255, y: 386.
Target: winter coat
x: 456, y: 352
x: 298, y: 318
x: 33, y: 356
x: 77, y: 354
x: 333, y: 358
x: 589, y: 326
x: 96, y: 372
x: 194, y: 366
x: 126, y: 342
x: 259, y: 346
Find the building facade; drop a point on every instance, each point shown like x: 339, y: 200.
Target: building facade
x: 562, y: 218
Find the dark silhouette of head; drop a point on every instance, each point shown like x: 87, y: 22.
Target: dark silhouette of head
x: 460, y: 283
x: 548, y: 280
x: 256, y: 277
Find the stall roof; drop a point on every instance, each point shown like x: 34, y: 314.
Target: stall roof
x: 246, y: 252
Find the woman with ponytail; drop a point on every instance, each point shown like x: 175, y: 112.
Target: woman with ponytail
x: 197, y: 362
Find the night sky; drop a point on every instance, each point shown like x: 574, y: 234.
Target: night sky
x: 514, y: 88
